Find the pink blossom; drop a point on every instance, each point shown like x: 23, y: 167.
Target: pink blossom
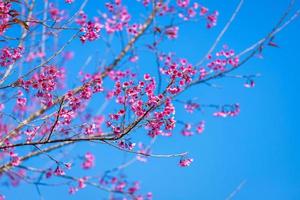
x: 228, y: 111
x: 191, y: 107
x: 172, y: 32
x: 149, y: 196
x: 212, y: 19
x: 187, y: 130
x: 183, y: 3
x: 9, y: 56
x: 15, y: 160
x: 203, y: 11
x: 185, y: 162
x: 58, y: 171
x: 5, y: 8
x: 200, y: 127
x: 89, y: 161
x: 56, y: 14
x: 81, y: 183
x: 134, y: 188
x: 91, y: 31
x: 73, y: 190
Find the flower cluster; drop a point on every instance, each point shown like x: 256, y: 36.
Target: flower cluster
x: 223, y: 58
x: 5, y: 16
x: 69, y: 1
x: 21, y: 102
x: 89, y: 161
x: 187, y: 130
x: 91, y: 31
x: 33, y: 55
x: 190, y: 107
x: 228, y: 111
x: 172, y: 32
x: 179, y: 71
x: 121, y: 185
x: 185, y: 162
x: 15, y: 160
x: 45, y: 82
x: 56, y: 14
x: 9, y: 56
x: 133, y: 29
x: 117, y: 17
x: 190, y: 11
x: 126, y: 144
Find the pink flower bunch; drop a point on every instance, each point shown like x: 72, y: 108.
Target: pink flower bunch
x: 91, y: 30
x: 117, y: 19
x: 89, y: 161
x: 9, y: 56
x: 212, y: 19
x: 190, y: 11
x: 172, y: 32
x: 58, y: 171
x: 33, y: 55
x: 21, y: 102
x: 185, y: 162
x: 135, y: 187
x: 161, y: 123
x: 228, y: 111
x: 56, y: 14
x: 179, y: 71
x: 190, y: 107
x: 133, y: 29
x: 15, y: 160
x: 142, y: 150
x: 200, y: 127
x: 125, y: 144
x: 5, y: 17
x: 69, y: 1
x: 145, y: 2
x: 223, y: 58
x: 188, y: 128
x: 46, y: 80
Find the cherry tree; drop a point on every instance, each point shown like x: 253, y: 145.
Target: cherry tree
x: 47, y: 106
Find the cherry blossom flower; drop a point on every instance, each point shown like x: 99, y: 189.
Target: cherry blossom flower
x: 89, y: 161
x: 200, y: 127
x: 185, y: 162
x: 15, y: 160
x: 172, y: 32
x: 5, y: 8
x: 58, y: 171
x: 9, y: 56
x: 56, y: 14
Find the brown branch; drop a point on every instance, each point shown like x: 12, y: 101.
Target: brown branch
x: 8, y: 166
x: 148, y: 154
x: 56, y: 120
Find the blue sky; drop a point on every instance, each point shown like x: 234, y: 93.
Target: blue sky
x: 259, y: 146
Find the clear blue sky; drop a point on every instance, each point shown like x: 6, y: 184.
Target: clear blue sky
x: 260, y: 146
